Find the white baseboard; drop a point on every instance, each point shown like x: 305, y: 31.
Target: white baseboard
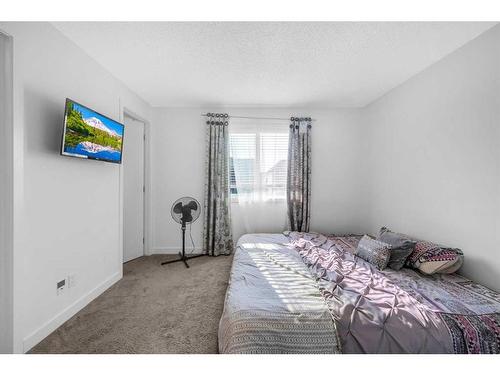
x: 173, y: 250
x: 50, y: 326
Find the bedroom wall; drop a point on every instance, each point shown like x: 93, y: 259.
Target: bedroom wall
x: 6, y: 195
x: 178, y: 161
x: 434, y: 156
x: 66, y: 210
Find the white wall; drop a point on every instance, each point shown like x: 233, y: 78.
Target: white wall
x: 6, y: 195
x: 178, y: 161
x: 435, y: 156
x: 66, y: 211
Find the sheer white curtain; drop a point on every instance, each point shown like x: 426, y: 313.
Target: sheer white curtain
x: 258, y: 151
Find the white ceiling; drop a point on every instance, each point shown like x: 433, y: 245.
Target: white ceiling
x: 327, y: 64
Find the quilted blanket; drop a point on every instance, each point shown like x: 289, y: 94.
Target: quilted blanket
x: 398, y: 311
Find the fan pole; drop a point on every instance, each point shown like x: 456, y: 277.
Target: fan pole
x: 183, y: 257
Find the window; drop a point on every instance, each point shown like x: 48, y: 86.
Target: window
x: 258, y: 162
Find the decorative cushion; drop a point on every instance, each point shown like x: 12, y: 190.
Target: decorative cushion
x: 401, y: 247
x: 373, y: 251
x: 430, y: 258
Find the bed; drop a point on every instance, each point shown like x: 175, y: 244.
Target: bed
x: 308, y: 293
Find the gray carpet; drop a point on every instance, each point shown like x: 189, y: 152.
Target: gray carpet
x: 153, y: 309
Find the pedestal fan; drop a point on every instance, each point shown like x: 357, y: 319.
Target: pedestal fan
x: 185, y: 211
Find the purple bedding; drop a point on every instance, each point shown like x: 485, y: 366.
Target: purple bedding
x: 398, y: 311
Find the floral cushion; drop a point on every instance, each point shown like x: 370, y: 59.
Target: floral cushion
x: 430, y: 258
x: 375, y: 252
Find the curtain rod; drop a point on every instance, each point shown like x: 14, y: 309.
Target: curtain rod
x: 256, y: 118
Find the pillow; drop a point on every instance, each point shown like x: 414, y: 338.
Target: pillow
x: 401, y: 247
x: 374, y: 252
x: 430, y: 258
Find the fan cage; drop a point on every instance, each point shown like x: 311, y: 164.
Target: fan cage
x: 194, y: 213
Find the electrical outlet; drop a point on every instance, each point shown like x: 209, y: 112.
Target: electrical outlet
x: 61, y: 286
x: 71, y: 281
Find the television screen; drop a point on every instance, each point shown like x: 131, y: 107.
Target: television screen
x: 88, y: 134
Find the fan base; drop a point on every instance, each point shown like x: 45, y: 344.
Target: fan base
x: 183, y: 259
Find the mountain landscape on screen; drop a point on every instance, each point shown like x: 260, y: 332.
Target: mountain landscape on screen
x: 91, y: 135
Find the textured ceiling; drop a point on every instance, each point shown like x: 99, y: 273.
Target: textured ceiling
x: 320, y: 64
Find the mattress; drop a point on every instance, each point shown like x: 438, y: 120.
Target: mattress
x: 308, y: 293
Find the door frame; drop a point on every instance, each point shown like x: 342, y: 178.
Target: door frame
x: 147, y: 185
x: 6, y: 194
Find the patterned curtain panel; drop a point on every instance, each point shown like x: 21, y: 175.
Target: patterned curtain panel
x: 217, y: 235
x: 298, y: 192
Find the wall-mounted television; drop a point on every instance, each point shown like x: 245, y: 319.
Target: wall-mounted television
x: 88, y: 134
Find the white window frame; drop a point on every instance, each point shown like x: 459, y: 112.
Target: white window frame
x: 257, y: 127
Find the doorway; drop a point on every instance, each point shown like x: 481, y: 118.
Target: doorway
x: 133, y: 188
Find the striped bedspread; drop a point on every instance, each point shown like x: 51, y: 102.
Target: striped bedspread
x: 273, y: 304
